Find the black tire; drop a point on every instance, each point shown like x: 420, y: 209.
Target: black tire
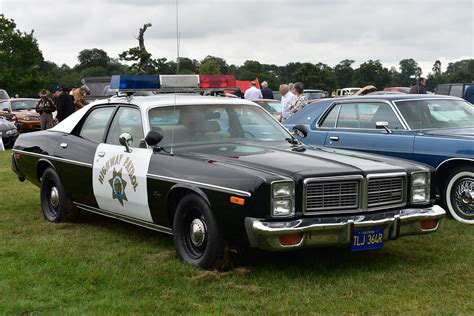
x: 205, y: 248
x: 458, y: 194
x: 56, y: 205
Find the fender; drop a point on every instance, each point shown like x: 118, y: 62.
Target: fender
x: 39, y: 164
x: 196, y: 190
x: 453, y: 159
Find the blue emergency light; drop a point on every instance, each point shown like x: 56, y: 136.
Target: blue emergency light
x: 135, y: 83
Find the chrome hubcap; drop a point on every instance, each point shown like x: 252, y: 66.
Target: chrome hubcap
x: 464, y: 196
x: 54, y: 199
x: 198, y: 232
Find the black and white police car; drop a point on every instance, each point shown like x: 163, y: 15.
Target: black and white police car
x: 217, y: 171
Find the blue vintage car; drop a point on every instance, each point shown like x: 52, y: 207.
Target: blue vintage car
x: 433, y: 129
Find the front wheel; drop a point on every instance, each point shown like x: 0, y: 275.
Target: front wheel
x: 458, y: 194
x: 196, y: 235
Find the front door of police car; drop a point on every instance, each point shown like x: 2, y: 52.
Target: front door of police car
x: 119, y: 177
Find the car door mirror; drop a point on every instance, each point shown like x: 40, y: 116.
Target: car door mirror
x: 300, y: 130
x: 126, y: 140
x: 383, y: 125
x: 153, y: 138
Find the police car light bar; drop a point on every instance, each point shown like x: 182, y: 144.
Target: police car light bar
x: 179, y: 81
x: 135, y: 83
x: 217, y: 81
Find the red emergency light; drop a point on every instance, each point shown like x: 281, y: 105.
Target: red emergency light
x: 217, y: 81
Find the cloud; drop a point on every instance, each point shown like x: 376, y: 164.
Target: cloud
x: 269, y: 31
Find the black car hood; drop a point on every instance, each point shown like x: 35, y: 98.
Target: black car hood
x: 284, y: 161
x: 451, y: 132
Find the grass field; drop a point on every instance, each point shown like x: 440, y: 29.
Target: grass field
x: 99, y: 265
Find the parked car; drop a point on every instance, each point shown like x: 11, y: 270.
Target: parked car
x: 461, y: 90
x: 217, y: 171
x: 435, y: 130
x: 23, y: 113
x: 8, y: 133
x: 4, y: 95
x: 313, y: 94
x: 398, y: 89
x: 346, y: 91
x: 272, y: 106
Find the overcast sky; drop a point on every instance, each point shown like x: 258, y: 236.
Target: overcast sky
x: 268, y: 31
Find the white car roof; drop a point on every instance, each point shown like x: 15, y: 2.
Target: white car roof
x: 147, y: 102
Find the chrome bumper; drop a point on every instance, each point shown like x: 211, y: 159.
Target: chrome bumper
x: 337, y: 230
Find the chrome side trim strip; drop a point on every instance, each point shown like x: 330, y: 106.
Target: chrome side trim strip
x: 124, y: 218
x: 201, y: 185
x: 74, y: 162
x: 451, y: 159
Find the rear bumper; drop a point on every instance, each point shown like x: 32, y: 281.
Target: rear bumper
x: 337, y: 231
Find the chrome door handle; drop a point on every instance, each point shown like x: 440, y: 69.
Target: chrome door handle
x: 63, y: 145
x: 334, y: 138
x: 101, y: 154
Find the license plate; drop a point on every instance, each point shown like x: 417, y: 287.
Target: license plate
x: 367, y: 239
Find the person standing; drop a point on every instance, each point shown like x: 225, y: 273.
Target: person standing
x: 45, y: 107
x: 419, y: 87
x: 287, y: 99
x: 79, y: 95
x: 253, y: 93
x: 267, y: 93
x: 300, y: 100
x: 65, y: 105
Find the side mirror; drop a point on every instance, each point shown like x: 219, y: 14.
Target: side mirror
x: 383, y: 125
x: 300, y: 130
x: 153, y: 138
x: 126, y: 140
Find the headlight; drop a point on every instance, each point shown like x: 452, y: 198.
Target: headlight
x: 283, y: 198
x: 420, y: 187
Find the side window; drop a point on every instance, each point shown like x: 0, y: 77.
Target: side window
x: 127, y: 120
x: 443, y: 89
x: 95, y: 124
x: 456, y: 90
x: 330, y: 120
x: 366, y: 115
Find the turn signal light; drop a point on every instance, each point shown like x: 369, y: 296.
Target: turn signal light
x: 429, y: 224
x: 17, y: 156
x: 237, y: 200
x: 288, y: 240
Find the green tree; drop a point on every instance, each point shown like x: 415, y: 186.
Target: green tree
x: 460, y: 71
x: 409, y: 70
x: 93, y: 58
x: 220, y: 62
x: 373, y: 73
x: 344, y: 72
x: 20, y: 60
x: 209, y: 67
x: 188, y: 66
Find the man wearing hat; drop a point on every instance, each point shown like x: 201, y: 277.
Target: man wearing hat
x: 45, y: 108
x: 80, y: 97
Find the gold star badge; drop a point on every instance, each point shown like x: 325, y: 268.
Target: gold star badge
x: 118, y: 185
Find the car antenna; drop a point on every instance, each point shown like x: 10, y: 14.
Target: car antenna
x: 177, y: 72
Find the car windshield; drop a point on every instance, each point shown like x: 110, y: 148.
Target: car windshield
x: 436, y: 113
x: 314, y: 95
x: 193, y: 124
x: 20, y: 105
x: 3, y: 95
x: 271, y: 106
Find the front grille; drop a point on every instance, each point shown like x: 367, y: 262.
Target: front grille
x: 384, y: 191
x: 332, y: 195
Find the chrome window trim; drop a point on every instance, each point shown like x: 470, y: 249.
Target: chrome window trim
x: 201, y: 185
x: 74, y: 162
x: 452, y: 159
x: 332, y: 105
x: 358, y: 177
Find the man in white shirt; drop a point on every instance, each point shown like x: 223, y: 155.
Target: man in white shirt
x: 287, y: 99
x: 253, y: 93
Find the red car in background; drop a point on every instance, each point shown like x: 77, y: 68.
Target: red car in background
x: 22, y: 113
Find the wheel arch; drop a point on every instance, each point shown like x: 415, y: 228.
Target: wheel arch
x: 446, y: 166
x: 177, y: 192
x: 41, y: 167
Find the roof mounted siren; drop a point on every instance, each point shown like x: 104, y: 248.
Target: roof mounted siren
x: 131, y: 84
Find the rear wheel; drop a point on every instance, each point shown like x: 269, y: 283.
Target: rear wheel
x: 57, y: 207
x: 197, y: 238
x: 458, y: 194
